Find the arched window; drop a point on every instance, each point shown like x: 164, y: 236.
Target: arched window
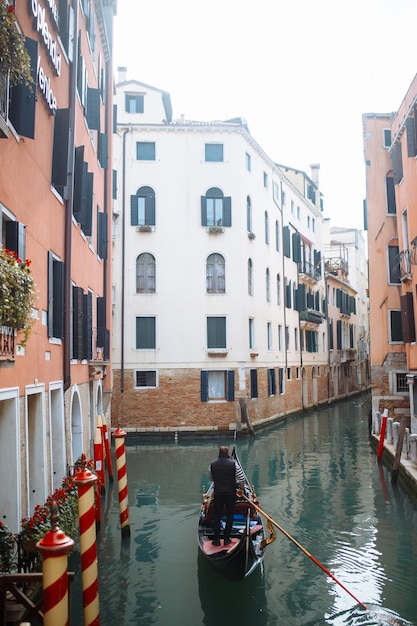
x: 277, y: 246
x: 249, y: 214
x: 266, y: 227
x: 142, y: 207
x: 215, y: 274
x: 145, y: 273
x: 278, y: 290
x: 250, y: 277
x: 268, y: 286
x: 216, y: 208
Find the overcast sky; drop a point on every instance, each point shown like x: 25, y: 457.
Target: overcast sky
x: 301, y: 72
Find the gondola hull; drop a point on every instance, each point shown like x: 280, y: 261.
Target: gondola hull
x: 246, y: 550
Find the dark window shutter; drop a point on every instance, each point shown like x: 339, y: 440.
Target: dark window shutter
x: 390, y: 189
x: 339, y: 334
x: 317, y: 262
x: 411, y: 137
x: 103, y: 150
x: 115, y: 118
x: 149, y: 194
x: 407, y: 318
x: 102, y: 235
x: 296, y: 247
x: 253, y: 383
x: 77, y: 322
x: 60, y: 150
x: 23, y: 97
x: 339, y: 298
x: 114, y: 194
x: 78, y: 181
x: 281, y: 379
x: 101, y: 322
x: 230, y: 391
x: 397, y: 163
x: 58, y: 299
x: 330, y: 334
x: 93, y: 108
x: 16, y: 238
x: 203, y: 211
x: 286, y: 241
x: 394, y: 264
x: 87, y: 219
x: 227, y: 211
x: 134, y: 210
x: 204, y: 386
x: 351, y: 335
x: 64, y: 19
x: 87, y: 326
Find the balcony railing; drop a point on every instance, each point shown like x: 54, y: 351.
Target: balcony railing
x: 311, y: 315
x: 307, y: 268
x: 7, y: 343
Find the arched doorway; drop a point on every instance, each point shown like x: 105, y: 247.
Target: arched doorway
x: 76, y: 426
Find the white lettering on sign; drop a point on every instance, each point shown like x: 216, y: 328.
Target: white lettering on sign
x: 51, y: 44
x: 44, y: 83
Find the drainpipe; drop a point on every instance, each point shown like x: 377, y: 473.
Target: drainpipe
x: 122, y: 308
x: 70, y: 200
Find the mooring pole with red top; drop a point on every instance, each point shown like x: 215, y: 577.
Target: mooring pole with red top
x: 54, y: 548
x: 99, y: 457
x: 85, y: 481
x: 105, y: 432
x: 384, y: 418
x: 119, y: 436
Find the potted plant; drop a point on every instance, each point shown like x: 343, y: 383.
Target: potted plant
x: 6, y: 548
x: 14, y: 58
x: 215, y: 230
x: 17, y: 293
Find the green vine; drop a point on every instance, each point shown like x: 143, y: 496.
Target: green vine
x: 14, y: 58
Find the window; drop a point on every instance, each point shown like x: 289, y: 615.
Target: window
x: 55, y: 297
x: 386, y: 137
x: 394, y: 270
x: 292, y: 207
x: 216, y: 210
x: 145, y: 273
x: 249, y: 214
x: 279, y: 337
x: 268, y: 285
x: 134, y: 103
x: 277, y: 235
x: 250, y: 277
x: 390, y: 192
x: 401, y: 382
x: 142, y: 207
x: 248, y: 162
x: 145, y: 333
x: 217, y: 385
x: 288, y: 373
x: 278, y: 290
x: 296, y: 339
x: 287, y: 338
x: 216, y: 333
x: 275, y: 191
x: 395, y: 327
x: 281, y: 380
x: 215, y: 274
x: 253, y: 378
x: 213, y: 152
x: 272, y: 384
x: 145, y: 150
x: 251, y: 334
x: 265, y: 180
x: 145, y: 378
x: 266, y: 228
x: 269, y: 335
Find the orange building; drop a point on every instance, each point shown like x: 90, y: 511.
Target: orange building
x: 55, y: 199
x: 390, y: 150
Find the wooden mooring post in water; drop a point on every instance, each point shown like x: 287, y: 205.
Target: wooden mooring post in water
x: 398, y: 452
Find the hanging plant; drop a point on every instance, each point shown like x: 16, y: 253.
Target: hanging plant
x: 17, y: 293
x: 14, y: 58
x: 6, y: 548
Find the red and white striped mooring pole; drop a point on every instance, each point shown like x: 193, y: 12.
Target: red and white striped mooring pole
x: 382, y: 434
x: 54, y: 548
x: 85, y: 481
x: 105, y: 435
x: 119, y: 436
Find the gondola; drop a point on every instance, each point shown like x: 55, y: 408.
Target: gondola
x: 248, y: 542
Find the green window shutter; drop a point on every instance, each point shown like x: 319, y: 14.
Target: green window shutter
x: 134, y: 211
x: 114, y: 118
x: 103, y: 150
x: 102, y: 243
x: 230, y: 390
x: 77, y: 323
x: 411, y: 137
x: 296, y: 247
x: 23, y: 97
x: 114, y: 185
x: 286, y: 241
x: 87, y: 219
x: 203, y: 211
x: 93, y: 108
x: 101, y: 322
x: 58, y: 299
x: 87, y: 326
x: 60, y: 149
x: 227, y: 211
x: 204, y: 386
x: 253, y: 375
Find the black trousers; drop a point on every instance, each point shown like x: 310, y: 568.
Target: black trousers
x: 221, y: 500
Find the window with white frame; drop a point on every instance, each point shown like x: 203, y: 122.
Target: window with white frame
x: 216, y: 333
x: 145, y: 151
x: 134, y: 103
x: 269, y: 335
x: 216, y: 208
x: 213, y: 152
x: 215, y: 274
x: 251, y: 333
x: 142, y: 207
x: 248, y: 161
x: 145, y: 378
x: 145, y: 273
x: 145, y: 333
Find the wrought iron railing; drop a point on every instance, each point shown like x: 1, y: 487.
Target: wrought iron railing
x: 7, y: 343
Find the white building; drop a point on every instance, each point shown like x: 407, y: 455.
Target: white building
x: 212, y: 241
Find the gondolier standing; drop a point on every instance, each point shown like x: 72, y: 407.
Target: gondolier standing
x: 226, y: 475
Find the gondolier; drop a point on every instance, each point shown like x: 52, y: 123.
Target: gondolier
x: 226, y: 475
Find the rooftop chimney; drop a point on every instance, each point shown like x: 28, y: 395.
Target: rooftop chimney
x: 315, y: 173
x: 122, y: 74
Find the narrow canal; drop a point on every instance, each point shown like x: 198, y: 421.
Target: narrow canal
x: 317, y: 477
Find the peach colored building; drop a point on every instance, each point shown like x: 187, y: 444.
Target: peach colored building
x: 390, y: 150
x: 55, y: 197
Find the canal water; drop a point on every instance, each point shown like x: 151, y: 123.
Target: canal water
x: 317, y: 476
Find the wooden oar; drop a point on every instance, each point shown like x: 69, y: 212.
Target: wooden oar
x: 295, y: 542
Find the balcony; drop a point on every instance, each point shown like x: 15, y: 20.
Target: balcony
x: 311, y: 315
x: 308, y: 271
